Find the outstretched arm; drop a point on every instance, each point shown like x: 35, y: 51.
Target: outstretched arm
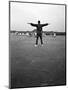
x: 35, y: 25
x: 45, y: 24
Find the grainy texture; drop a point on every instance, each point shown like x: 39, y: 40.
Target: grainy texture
x: 37, y: 66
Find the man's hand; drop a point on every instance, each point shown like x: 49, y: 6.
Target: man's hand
x: 34, y: 25
x: 48, y: 23
x: 28, y: 23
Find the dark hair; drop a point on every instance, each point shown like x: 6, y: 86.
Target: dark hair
x: 38, y: 21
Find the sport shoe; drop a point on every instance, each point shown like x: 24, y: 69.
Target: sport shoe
x: 35, y: 45
x: 42, y: 44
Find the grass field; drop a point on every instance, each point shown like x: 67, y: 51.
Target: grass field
x: 37, y: 66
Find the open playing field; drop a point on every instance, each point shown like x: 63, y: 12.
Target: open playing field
x: 37, y: 66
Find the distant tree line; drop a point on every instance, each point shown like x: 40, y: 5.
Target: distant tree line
x: 45, y: 32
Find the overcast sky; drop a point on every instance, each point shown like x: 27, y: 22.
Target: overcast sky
x: 23, y: 13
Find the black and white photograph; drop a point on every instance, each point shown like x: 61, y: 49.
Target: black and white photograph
x: 37, y: 44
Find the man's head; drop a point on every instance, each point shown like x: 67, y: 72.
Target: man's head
x: 38, y: 21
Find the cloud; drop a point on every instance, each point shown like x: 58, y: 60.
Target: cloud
x: 23, y: 13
